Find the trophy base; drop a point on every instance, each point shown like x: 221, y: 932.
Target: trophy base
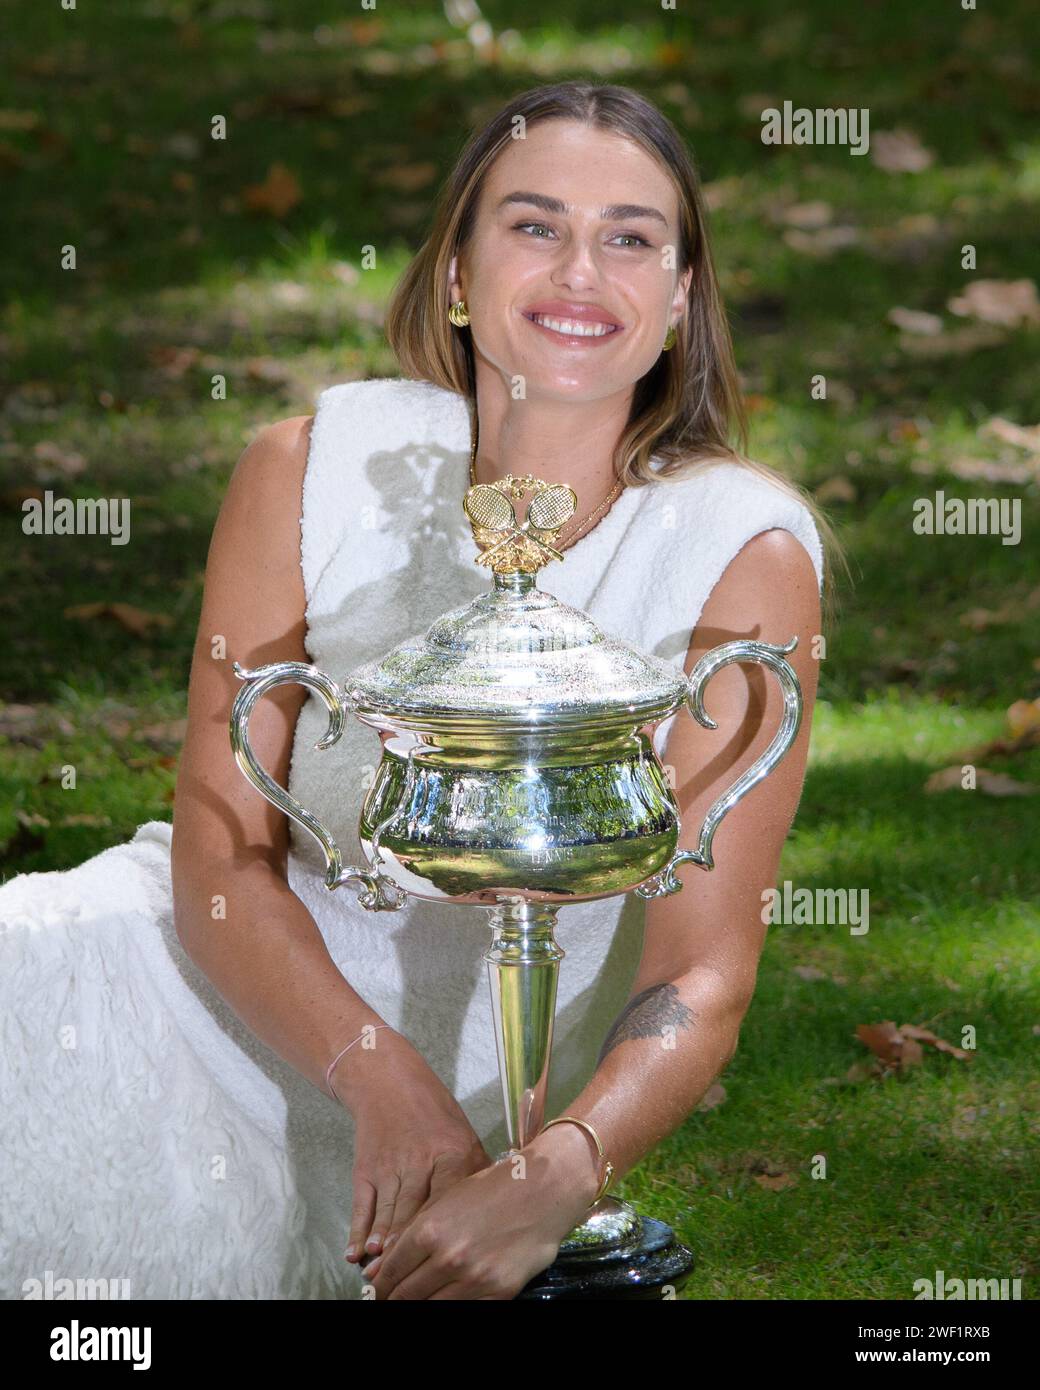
x: 614, y: 1253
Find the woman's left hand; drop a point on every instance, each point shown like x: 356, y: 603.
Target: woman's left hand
x: 486, y: 1236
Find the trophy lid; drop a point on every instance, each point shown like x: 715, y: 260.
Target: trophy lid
x: 517, y: 653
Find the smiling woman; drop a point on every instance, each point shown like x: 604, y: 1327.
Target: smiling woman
x: 598, y: 319
x: 227, y: 1073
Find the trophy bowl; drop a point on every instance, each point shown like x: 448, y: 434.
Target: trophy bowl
x: 517, y: 776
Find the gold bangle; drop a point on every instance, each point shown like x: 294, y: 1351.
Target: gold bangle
x: 608, y: 1170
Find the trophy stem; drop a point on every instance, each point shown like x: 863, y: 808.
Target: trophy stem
x: 523, y: 966
x: 614, y: 1252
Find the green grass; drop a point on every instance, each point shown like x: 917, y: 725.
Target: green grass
x: 177, y: 282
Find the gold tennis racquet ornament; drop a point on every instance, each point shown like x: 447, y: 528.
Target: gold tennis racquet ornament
x: 508, y: 544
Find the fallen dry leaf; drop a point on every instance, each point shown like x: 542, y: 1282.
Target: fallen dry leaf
x: 65, y: 462
x: 987, y: 782
x: 135, y: 620
x: 752, y: 104
x: 956, y: 343
x: 806, y: 216
x: 883, y: 1039
x: 713, y: 1096
x: 1005, y: 302
x: 1000, y: 784
x: 172, y: 731
x: 823, y: 242
x: 777, y: 1183
x: 948, y: 779
x: 166, y: 762
x: 915, y: 321
x: 278, y: 194
x: 912, y: 1054
x: 1019, y: 471
x: 836, y: 489
x: 1011, y: 612
x: 720, y: 193
x: 1000, y: 748
x: 895, y: 1049
x: 173, y: 361
x: 911, y: 1030
x: 1024, y: 436
x: 899, y: 151
x: 1023, y: 717
x: 407, y: 178
x: 14, y: 718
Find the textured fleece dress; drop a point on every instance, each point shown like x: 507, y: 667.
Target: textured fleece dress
x: 147, y: 1134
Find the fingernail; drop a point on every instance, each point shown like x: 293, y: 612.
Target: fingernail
x: 350, y: 1252
x: 373, y: 1239
x: 373, y: 1266
x: 390, y: 1240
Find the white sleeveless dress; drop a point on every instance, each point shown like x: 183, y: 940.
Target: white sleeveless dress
x: 147, y: 1134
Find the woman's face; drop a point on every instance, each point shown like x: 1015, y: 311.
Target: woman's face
x: 598, y: 253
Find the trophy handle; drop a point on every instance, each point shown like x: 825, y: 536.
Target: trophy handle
x: 378, y: 891
x: 766, y: 654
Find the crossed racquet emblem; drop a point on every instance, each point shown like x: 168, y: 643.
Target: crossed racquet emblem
x: 490, y: 509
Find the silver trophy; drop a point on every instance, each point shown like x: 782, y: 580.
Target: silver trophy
x: 516, y: 776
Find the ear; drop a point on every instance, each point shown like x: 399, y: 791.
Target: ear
x: 682, y: 289
x: 453, y: 277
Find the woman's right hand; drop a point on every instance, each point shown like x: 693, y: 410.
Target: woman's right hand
x: 412, y: 1139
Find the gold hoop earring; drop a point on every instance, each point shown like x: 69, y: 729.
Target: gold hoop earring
x: 669, y: 339
x: 459, y: 314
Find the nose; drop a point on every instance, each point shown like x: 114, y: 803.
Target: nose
x: 577, y: 265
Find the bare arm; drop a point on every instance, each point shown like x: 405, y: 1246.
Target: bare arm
x: 701, y: 948
x: 265, y: 955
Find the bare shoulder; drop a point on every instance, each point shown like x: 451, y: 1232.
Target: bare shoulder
x: 277, y: 454
x: 769, y: 588
x: 264, y: 496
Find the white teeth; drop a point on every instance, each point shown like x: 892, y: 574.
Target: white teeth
x: 574, y: 328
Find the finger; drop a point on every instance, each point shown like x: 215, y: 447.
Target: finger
x: 403, y: 1257
x: 386, y: 1200
x: 361, y: 1214
x: 411, y: 1197
x: 421, y: 1281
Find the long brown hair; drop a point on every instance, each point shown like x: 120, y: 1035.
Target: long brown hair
x: 686, y: 407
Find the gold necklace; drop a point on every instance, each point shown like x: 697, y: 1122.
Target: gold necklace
x: 603, y: 506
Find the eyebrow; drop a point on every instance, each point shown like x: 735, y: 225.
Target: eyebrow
x: 619, y: 212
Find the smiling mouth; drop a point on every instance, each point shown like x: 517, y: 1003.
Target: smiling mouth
x: 573, y: 328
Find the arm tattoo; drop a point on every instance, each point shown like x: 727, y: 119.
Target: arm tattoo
x: 647, y: 1016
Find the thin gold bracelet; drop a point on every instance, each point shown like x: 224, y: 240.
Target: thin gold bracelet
x: 608, y: 1171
